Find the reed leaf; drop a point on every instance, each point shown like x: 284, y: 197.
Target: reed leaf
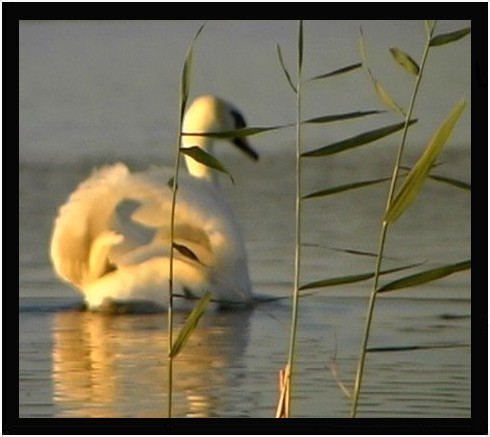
x: 429, y: 25
x: 339, y: 117
x: 355, y: 252
x: 425, y: 276
x: 444, y: 179
x: 190, y: 324
x: 300, y: 47
x: 405, y: 61
x: 341, y: 188
x: 413, y: 348
x: 236, y: 133
x: 356, y: 141
x: 284, y: 69
x: 385, y: 97
x: 185, y: 251
x: 446, y: 38
x: 186, y: 72
x: 340, y: 280
x: 171, y: 183
x: 451, y: 181
x: 206, y: 159
x: 415, y: 179
x: 362, y: 46
x: 338, y: 71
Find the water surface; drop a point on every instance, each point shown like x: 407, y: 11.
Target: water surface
x: 93, y: 93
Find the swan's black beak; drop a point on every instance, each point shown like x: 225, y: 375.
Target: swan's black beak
x: 241, y: 142
x: 245, y: 147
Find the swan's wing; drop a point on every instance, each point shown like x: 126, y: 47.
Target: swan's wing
x: 117, y: 219
x: 203, y: 219
x: 83, y: 223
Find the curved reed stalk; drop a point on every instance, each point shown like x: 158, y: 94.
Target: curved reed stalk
x: 298, y: 200
x: 184, y: 95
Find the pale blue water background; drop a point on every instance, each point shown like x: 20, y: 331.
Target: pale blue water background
x: 97, y: 92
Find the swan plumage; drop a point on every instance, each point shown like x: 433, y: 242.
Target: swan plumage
x: 111, y: 239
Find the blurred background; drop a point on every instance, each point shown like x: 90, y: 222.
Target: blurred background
x: 109, y: 89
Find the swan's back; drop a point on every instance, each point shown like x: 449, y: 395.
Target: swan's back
x: 112, y: 238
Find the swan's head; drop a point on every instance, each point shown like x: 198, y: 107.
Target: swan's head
x: 212, y: 114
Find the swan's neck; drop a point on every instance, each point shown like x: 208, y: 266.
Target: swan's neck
x: 195, y: 168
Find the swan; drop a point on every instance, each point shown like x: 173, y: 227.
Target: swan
x: 111, y: 239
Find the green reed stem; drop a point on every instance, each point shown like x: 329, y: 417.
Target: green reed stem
x: 184, y: 95
x: 175, y: 188
x: 297, y: 260
x: 171, y: 270
x: 384, y: 230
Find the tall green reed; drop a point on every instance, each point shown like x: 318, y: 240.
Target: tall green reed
x: 283, y: 409
x: 397, y: 204
x: 174, y: 348
x: 205, y: 158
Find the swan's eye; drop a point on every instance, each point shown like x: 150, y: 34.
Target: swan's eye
x: 239, y: 119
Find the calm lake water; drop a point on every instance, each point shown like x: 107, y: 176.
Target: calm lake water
x: 94, y: 93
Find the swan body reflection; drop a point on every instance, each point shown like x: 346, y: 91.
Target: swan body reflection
x: 111, y: 239
x: 97, y: 363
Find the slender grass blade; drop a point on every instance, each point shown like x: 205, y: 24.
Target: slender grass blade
x: 235, y: 133
x: 340, y: 280
x: 413, y: 348
x: 426, y: 276
x: 171, y: 183
x: 446, y: 38
x: 444, y: 179
x: 356, y: 141
x: 284, y: 69
x: 184, y: 89
x: 347, y: 187
x: 186, y: 73
x: 362, y: 46
x: 184, y: 250
x: 206, y: 159
x: 451, y: 181
x: 340, y: 117
x: 190, y: 324
x: 338, y: 71
x: 405, y: 61
x: 429, y: 25
x: 300, y: 47
x: 385, y: 97
x: 355, y: 252
x: 331, y: 282
x: 415, y: 179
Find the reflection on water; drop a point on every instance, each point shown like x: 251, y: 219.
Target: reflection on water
x: 79, y: 364
x: 107, y: 366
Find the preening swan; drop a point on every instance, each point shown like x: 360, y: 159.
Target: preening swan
x: 111, y: 239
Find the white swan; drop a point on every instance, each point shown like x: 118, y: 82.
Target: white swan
x: 111, y: 238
